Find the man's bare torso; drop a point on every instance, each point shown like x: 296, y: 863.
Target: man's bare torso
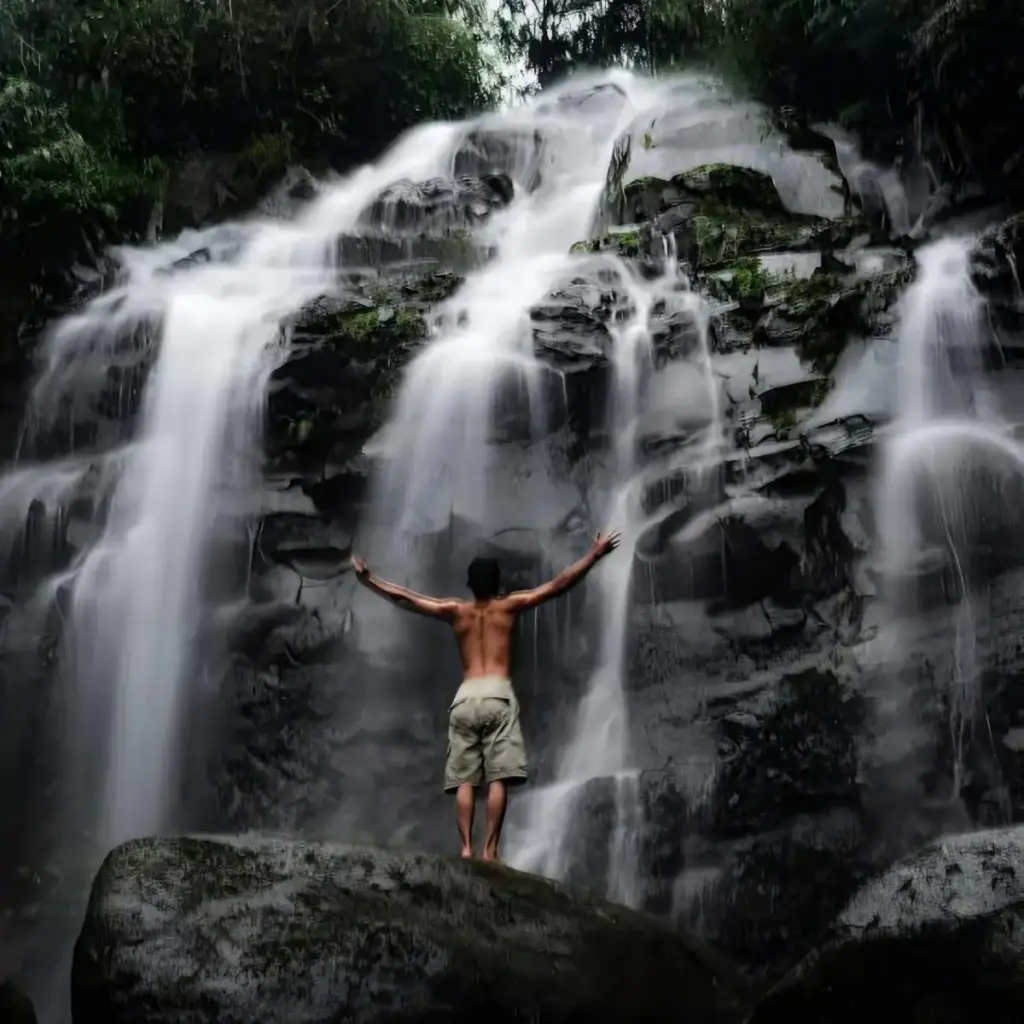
x: 483, y: 627
x: 483, y: 630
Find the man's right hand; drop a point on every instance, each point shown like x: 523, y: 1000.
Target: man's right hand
x: 359, y: 567
x: 605, y: 543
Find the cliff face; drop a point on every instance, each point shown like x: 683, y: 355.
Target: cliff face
x: 751, y: 684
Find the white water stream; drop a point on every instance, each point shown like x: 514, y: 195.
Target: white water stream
x: 947, y: 436
x: 138, y: 590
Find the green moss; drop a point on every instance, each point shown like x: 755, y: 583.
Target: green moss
x: 748, y: 279
x: 822, y: 386
x: 359, y: 328
x: 731, y: 185
x: 816, y: 314
x: 409, y: 324
x: 628, y: 244
x: 805, y: 298
x: 722, y: 234
x: 783, y: 421
x: 781, y: 405
x: 828, y: 313
x: 267, y: 155
x: 724, y: 185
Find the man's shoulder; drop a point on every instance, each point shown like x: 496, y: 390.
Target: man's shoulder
x: 496, y: 607
x: 508, y: 604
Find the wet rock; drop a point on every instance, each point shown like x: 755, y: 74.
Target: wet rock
x: 273, y: 930
x: 572, y: 329
x: 347, y: 355
x: 995, y: 264
x: 769, y: 895
x: 379, y: 252
x: 295, y: 190
x: 440, y: 204
x: 198, y: 190
x: 518, y: 154
x: 940, y: 935
x: 802, y: 758
x: 715, y: 128
x: 721, y: 213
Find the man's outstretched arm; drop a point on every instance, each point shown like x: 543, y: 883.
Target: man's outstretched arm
x: 520, y: 600
x: 408, y: 600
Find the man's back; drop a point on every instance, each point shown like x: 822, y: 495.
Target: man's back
x: 483, y: 630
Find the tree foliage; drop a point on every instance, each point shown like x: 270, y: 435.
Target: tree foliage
x: 112, y: 88
x: 554, y: 37
x: 945, y: 76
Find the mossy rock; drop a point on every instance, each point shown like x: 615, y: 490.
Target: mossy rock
x: 819, y: 314
x: 390, y: 315
x: 347, y: 359
x: 730, y: 185
x: 627, y: 244
x: 241, y: 930
x: 782, y: 405
x: 728, y: 213
x: 721, y: 234
x: 724, y: 185
x: 743, y: 281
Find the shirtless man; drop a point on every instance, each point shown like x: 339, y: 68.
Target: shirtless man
x: 485, y: 741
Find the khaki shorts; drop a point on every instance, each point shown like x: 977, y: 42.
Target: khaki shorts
x: 485, y: 741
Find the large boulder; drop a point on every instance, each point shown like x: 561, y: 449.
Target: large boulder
x: 937, y: 937
x: 232, y: 930
x: 439, y: 204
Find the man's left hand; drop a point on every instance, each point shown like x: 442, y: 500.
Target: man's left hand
x: 359, y: 567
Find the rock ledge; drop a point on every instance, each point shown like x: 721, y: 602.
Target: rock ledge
x: 241, y: 931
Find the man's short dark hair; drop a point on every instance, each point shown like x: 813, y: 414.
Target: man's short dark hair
x: 483, y: 578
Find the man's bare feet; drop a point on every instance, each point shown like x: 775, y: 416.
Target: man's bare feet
x: 491, y: 858
x: 467, y: 852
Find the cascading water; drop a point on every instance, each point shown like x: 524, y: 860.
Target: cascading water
x: 598, y: 747
x: 437, y: 450
x: 137, y: 592
x: 436, y: 446
x: 930, y: 501
x: 209, y: 333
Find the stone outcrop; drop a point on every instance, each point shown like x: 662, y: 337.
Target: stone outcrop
x: 236, y: 931
x: 939, y: 936
x: 439, y: 204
